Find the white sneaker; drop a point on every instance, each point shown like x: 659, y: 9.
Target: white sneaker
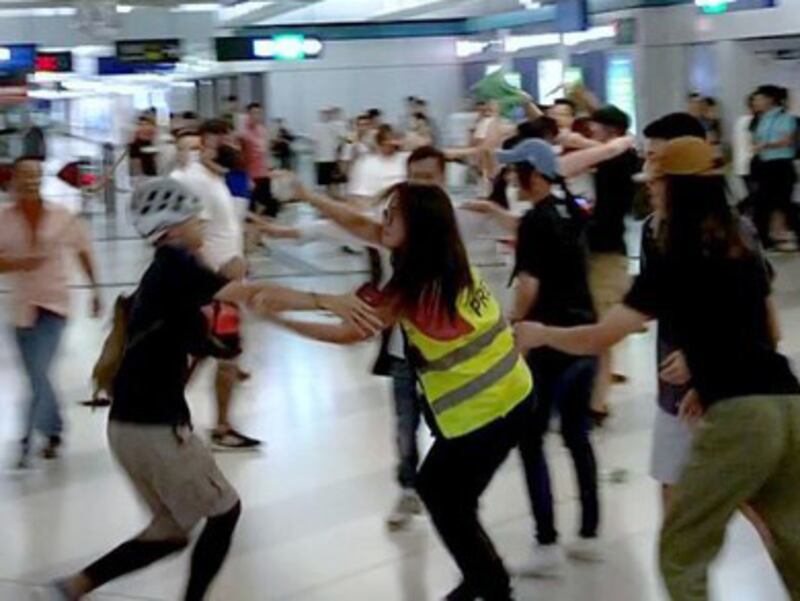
x: 547, y: 561
x: 586, y: 549
x: 407, y: 506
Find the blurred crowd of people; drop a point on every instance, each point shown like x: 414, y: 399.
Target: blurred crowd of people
x: 558, y: 186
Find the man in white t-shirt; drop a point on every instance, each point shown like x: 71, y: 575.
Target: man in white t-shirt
x: 377, y: 171
x: 223, y: 250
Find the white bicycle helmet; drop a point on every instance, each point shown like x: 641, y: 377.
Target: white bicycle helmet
x: 162, y: 203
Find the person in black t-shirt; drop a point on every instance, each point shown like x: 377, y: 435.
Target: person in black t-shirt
x: 608, y: 258
x: 714, y: 289
x: 552, y: 287
x: 149, y: 429
x: 672, y: 439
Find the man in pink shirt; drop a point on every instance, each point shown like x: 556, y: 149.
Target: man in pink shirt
x: 35, y: 240
x: 255, y: 148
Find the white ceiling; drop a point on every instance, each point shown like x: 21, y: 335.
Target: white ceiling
x: 368, y: 10
x: 248, y: 12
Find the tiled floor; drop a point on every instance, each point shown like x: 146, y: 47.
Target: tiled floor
x: 315, y: 499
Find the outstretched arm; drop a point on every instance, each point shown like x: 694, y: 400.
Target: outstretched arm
x: 267, y: 299
x: 339, y: 333
x: 360, y: 225
x: 503, y: 217
x: 577, y: 162
x: 582, y: 340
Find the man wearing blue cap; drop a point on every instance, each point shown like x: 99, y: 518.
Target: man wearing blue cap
x: 552, y: 287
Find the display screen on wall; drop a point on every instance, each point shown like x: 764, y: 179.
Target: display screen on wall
x: 620, y: 85
x: 110, y: 65
x: 54, y: 62
x: 280, y: 47
x: 551, y: 80
x: 149, y: 51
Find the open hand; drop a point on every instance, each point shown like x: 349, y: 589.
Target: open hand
x: 674, y: 369
x: 691, y: 409
x: 356, y: 312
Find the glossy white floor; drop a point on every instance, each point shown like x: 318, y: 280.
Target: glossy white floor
x: 315, y: 499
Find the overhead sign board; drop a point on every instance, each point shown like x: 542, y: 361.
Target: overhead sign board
x: 149, y: 51
x: 54, y: 62
x: 279, y: 47
x: 111, y: 65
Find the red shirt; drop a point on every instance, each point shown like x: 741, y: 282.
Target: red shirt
x: 255, y: 149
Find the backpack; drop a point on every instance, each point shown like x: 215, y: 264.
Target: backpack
x: 110, y: 360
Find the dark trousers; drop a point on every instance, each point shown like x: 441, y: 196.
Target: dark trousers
x: 563, y: 385
x: 261, y: 200
x: 776, y: 181
x: 452, y: 479
x: 408, y: 413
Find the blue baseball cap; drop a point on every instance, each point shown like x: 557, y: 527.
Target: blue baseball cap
x: 537, y: 153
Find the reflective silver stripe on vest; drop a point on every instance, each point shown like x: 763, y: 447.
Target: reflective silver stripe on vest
x: 482, y: 382
x: 468, y: 351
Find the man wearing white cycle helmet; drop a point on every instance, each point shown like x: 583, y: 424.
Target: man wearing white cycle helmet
x: 149, y: 431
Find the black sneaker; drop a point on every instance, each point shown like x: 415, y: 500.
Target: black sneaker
x: 51, y: 450
x: 233, y: 441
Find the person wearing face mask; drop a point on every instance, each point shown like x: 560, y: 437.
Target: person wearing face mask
x: 223, y: 249
x: 36, y: 238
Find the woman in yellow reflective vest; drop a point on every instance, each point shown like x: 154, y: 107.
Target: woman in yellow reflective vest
x: 476, y: 384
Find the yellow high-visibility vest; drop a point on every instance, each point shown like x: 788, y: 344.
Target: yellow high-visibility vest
x: 474, y: 379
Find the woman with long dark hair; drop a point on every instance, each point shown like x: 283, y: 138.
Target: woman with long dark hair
x: 713, y: 289
x: 475, y: 381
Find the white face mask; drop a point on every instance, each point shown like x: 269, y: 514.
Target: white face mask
x: 512, y: 194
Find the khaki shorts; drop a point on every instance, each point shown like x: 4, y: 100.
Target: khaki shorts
x: 608, y: 280
x: 175, y: 475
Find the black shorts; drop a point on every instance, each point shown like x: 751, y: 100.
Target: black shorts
x: 327, y: 173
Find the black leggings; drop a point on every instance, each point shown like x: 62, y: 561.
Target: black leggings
x: 451, y: 481
x: 209, y: 553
